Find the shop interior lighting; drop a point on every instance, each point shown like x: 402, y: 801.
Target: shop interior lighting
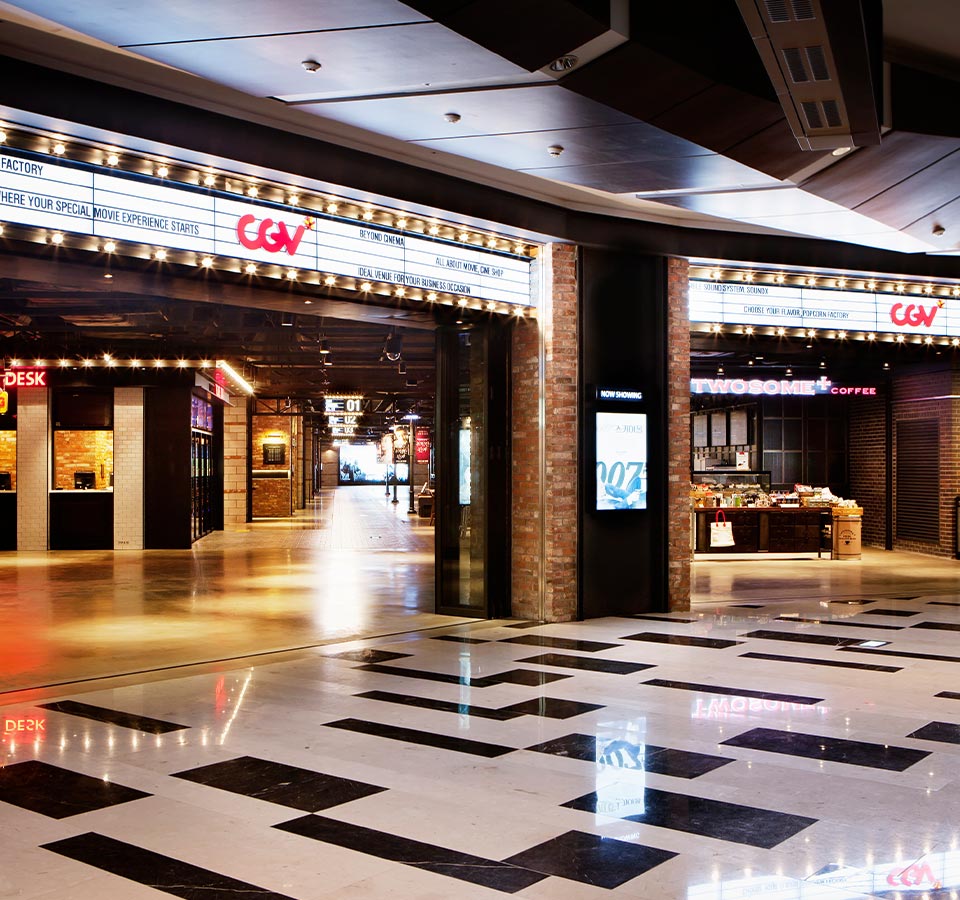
x: 715, y: 328
x: 841, y: 335
x: 209, y: 179
x: 871, y: 285
x: 463, y: 236
x: 400, y: 291
x: 780, y: 278
x: 234, y: 376
x: 928, y: 339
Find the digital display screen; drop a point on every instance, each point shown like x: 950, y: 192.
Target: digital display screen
x: 621, y: 460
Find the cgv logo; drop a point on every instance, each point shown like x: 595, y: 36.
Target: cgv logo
x: 912, y: 315
x: 265, y: 239
x: 915, y: 876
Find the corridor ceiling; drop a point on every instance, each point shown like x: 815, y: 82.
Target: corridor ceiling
x: 658, y: 111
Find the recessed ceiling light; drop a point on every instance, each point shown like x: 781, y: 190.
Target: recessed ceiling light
x: 555, y: 150
x: 311, y: 65
x: 452, y: 117
x: 841, y: 151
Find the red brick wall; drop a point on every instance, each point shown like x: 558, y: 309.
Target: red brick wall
x: 82, y: 451
x: 868, y: 465
x: 271, y: 496
x: 910, y: 401
x: 678, y: 436
x: 8, y: 456
x: 557, y: 553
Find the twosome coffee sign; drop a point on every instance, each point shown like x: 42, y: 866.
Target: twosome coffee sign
x: 83, y: 200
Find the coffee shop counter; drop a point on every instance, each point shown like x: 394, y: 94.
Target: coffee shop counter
x: 772, y: 529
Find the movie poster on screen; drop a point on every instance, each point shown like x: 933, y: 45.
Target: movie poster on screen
x: 621, y: 460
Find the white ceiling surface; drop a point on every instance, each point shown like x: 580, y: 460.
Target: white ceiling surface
x: 369, y: 48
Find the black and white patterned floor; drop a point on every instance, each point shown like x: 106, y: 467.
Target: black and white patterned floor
x: 803, y: 750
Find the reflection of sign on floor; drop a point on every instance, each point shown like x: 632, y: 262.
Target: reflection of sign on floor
x: 742, y: 707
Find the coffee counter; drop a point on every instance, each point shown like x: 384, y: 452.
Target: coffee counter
x: 771, y: 529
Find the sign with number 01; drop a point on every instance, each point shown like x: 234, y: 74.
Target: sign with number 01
x: 621, y: 460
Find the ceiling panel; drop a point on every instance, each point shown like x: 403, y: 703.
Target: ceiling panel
x: 688, y: 173
x: 355, y: 62
x: 124, y: 22
x: 917, y: 196
x: 582, y: 147
x: 502, y: 111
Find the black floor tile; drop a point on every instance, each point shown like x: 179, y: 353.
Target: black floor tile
x: 591, y: 859
x: 840, y: 750
x: 459, y: 639
x: 621, y: 754
x: 524, y: 625
x: 369, y: 655
x: 802, y: 637
x: 891, y: 612
x: 810, y: 661
x: 419, y: 674
x: 710, y: 818
x: 842, y: 623
x: 746, y: 605
x: 462, y: 709
x: 654, y: 618
x: 426, y: 738
x: 113, y: 717
x: 162, y: 873
x: 938, y: 626
x: 552, y: 708
x: 948, y: 695
x: 59, y: 793
x: 733, y: 692
x: 500, y: 876
x: 945, y: 732
x: 905, y: 654
x: 528, y: 677
x: 559, y: 643
x: 279, y: 783
x: 942, y: 603
x: 683, y: 640
x: 853, y: 602
x: 612, y: 666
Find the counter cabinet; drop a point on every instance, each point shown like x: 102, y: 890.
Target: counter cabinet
x: 764, y: 529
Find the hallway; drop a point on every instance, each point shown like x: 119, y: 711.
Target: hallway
x: 352, y: 564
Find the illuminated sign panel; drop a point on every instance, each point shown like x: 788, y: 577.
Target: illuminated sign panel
x: 64, y: 197
x: 801, y: 307
x: 775, y: 388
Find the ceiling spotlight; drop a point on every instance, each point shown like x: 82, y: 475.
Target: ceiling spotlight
x: 463, y: 236
x: 563, y: 63
x: 748, y: 276
x: 841, y: 282
x: 109, y: 247
x: 108, y: 276
x: 715, y: 274
x: 308, y: 303
x: 901, y: 287
x: 886, y: 365
x: 780, y: 278
x: 810, y: 281
x: 286, y: 320
x: 938, y: 231
x: 900, y: 338
x: 162, y: 171
x: 789, y: 372
x: 59, y: 149
x: 928, y: 288
x: 401, y: 222
x: 928, y: 339
x: 324, y: 346
x: 749, y: 362
x: 3, y: 136
x: 811, y: 332
x: 715, y: 328
x: 719, y: 370
x: 955, y: 342
x: 823, y: 364
x: 393, y: 346
x: 161, y: 254
x: 250, y: 268
x: 400, y: 291
x: 842, y: 151
x: 555, y: 150
x: 56, y: 238
x: 452, y: 117
x: 462, y: 301
x: 311, y: 65
x: 64, y: 363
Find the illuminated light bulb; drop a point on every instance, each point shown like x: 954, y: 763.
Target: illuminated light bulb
x: 519, y: 311
x: 780, y: 278
x: 1, y: 230
x: 182, y: 363
x: 109, y: 246
x: 955, y: 342
x: 332, y: 208
x: 715, y: 274
x: 781, y: 331
x: 294, y: 199
x: 250, y: 268
x: 841, y: 334
x: 366, y: 286
x: 292, y: 274
x: 871, y: 285
x: 519, y: 248
x: 59, y: 149
x: 39, y: 363
x: 56, y: 238
x: 463, y: 236
x: 462, y: 301
x: 811, y: 332
x: 432, y: 296
x: 330, y: 280
x: 401, y: 222
x: 308, y: 302
x: 135, y: 363
x: 841, y: 282
x: 810, y: 281
x: 900, y: 287
x: 110, y: 361
x: 206, y: 262
x: 158, y: 363
x: 107, y: 357
x: 112, y: 159
x: 64, y: 362
x: 748, y: 330
x: 748, y: 276
x: 900, y: 338
x: 715, y: 328
x: 928, y: 339
x: 434, y: 229
x: 87, y: 363
x: 209, y: 180
x: 3, y: 136
x: 491, y: 305
x: 928, y: 288
x: 955, y: 292
x: 400, y: 291
x: 162, y: 171
x: 871, y: 336
x: 491, y: 242
x: 253, y: 191
x: 14, y: 362
x: 367, y: 215
x: 161, y: 254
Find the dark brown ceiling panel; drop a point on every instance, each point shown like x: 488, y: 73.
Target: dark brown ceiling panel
x: 929, y: 227
x: 527, y: 32
x: 774, y: 151
x: 872, y: 170
x: 918, y: 101
x: 917, y: 196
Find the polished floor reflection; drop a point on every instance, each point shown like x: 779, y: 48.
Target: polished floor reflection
x: 352, y: 564
x: 703, y: 758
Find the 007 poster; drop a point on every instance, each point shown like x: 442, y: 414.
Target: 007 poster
x: 621, y: 461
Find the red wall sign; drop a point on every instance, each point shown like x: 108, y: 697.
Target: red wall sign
x: 25, y: 378
x: 423, y: 445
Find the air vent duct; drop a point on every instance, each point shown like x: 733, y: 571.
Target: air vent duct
x: 823, y: 62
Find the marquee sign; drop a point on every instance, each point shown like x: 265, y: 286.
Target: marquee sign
x: 85, y: 200
x: 802, y: 307
x: 771, y: 387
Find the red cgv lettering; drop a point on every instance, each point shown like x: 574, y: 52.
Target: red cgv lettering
x: 912, y: 315
x: 272, y: 242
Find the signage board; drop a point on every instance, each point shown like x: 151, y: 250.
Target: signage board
x: 18, y: 378
x: 619, y: 395
x: 772, y: 387
x: 70, y: 197
x: 802, y: 307
x: 422, y: 444
x: 621, y: 460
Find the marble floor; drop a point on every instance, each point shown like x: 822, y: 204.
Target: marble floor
x: 278, y: 713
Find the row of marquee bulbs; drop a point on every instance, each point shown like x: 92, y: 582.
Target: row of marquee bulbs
x: 293, y: 197
x: 809, y: 333
x: 292, y: 274
x: 840, y: 281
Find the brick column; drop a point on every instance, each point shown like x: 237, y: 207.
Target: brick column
x: 128, y: 443
x: 235, y: 463
x: 545, y: 439
x: 33, y: 476
x: 678, y: 435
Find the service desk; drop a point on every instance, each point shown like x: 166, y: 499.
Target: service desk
x: 763, y: 529
x: 81, y: 520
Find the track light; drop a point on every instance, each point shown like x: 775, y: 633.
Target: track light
x: 393, y: 347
